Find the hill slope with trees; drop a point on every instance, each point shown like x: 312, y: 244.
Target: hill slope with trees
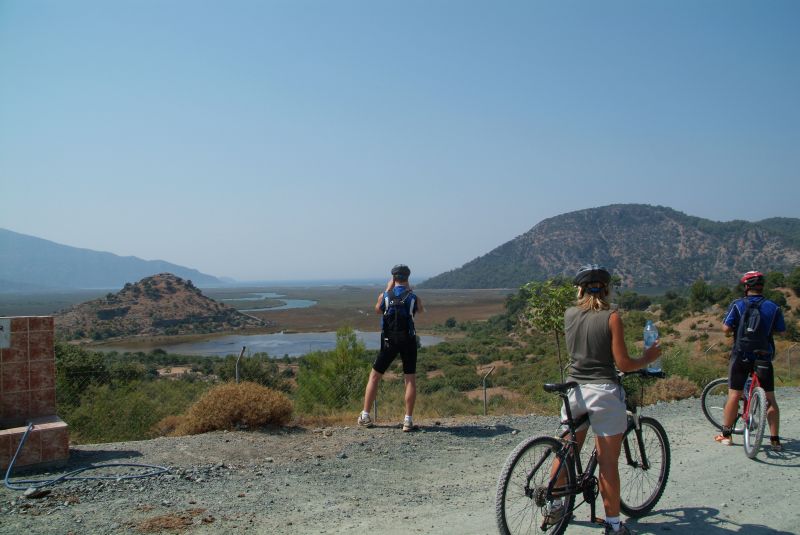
x: 647, y: 246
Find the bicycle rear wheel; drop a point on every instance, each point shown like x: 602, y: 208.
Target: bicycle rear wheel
x: 756, y: 419
x: 521, y: 502
x: 712, y: 401
x: 642, y: 486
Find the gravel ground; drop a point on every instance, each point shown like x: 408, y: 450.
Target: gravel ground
x: 440, y: 479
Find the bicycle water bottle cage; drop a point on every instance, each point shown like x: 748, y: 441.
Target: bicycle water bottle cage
x: 559, y: 387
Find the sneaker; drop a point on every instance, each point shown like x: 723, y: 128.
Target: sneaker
x: 555, y: 513
x: 776, y: 445
x: 364, y: 420
x: 722, y: 439
x: 408, y: 425
x: 623, y: 530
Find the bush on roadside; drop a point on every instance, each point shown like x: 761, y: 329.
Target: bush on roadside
x: 110, y: 413
x: 229, y: 405
x: 671, y: 389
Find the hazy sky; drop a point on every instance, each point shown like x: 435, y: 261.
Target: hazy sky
x: 332, y: 139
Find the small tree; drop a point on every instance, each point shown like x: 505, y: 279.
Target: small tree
x: 332, y: 379
x: 545, y: 309
x: 793, y: 281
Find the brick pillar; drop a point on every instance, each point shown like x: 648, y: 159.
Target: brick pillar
x: 27, y: 393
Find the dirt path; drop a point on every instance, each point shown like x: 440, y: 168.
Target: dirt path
x: 439, y: 480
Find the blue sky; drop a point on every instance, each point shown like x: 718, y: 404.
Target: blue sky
x: 316, y: 139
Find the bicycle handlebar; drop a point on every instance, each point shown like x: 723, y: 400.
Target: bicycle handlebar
x: 644, y: 372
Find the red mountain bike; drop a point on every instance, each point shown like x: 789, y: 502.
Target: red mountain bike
x: 753, y: 417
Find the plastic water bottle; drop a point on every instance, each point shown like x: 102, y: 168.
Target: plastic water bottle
x: 650, y: 337
x: 746, y: 392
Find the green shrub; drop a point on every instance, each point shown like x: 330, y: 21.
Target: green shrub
x: 333, y: 379
x: 108, y: 413
x: 459, y: 359
x: 258, y: 368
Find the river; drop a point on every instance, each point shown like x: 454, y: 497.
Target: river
x: 276, y: 345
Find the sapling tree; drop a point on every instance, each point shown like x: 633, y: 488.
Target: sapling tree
x: 545, y: 309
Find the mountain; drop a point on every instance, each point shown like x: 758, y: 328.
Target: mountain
x: 28, y: 263
x: 648, y: 246
x: 159, y: 305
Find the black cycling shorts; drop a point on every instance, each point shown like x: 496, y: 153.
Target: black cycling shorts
x: 406, y: 348
x: 739, y: 370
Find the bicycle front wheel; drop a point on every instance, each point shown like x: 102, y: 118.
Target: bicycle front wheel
x: 755, y: 421
x: 712, y: 401
x: 523, y: 503
x: 643, y: 467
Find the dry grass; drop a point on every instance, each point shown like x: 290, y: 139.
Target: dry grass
x: 166, y: 426
x: 231, y: 405
x: 173, y: 522
x: 672, y: 388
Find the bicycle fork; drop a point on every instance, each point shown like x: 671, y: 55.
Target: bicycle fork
x: 633, y: 425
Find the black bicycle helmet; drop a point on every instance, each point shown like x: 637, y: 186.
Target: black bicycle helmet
x: 401, y: 271
x: 752, y: 278
x: 591, y: 273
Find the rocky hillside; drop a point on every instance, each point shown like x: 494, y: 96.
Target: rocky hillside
x: 163, y: 304
x: 648, y: 246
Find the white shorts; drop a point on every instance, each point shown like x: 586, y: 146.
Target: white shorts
x: 605, y: 404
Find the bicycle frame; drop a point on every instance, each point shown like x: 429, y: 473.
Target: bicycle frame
x: 555, y: 488
x: 542, y: 480
x: 586, y: 482
x: 754, y: 383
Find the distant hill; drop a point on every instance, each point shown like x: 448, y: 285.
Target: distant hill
x: 29, y: 263
x: 648, y: 246
x: 159, y: 305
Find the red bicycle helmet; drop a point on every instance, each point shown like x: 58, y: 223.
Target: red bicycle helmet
x: 752, y: 278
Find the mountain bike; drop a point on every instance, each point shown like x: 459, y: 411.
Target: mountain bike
x: 545, y: 474
x: 752, y: 419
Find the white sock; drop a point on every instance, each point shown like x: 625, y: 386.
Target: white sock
x: 364, y: 414
x: 614, y: 521
x: 408, y: 417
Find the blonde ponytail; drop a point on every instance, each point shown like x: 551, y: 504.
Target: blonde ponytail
x: 593, y: 301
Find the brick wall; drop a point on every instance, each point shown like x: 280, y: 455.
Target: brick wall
x: 27, y: 372
x: 28, y: 394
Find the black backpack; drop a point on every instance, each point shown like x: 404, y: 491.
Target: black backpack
x: 752, y: 336
x: 398, y: 325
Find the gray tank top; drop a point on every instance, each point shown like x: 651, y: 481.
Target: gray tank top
x: 589, y: 346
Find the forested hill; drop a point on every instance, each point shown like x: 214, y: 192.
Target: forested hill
x: 648, y: 246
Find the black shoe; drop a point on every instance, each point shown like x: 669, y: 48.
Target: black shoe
x: 623, y: 530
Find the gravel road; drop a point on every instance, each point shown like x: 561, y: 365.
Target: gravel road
x: 440, y: 479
